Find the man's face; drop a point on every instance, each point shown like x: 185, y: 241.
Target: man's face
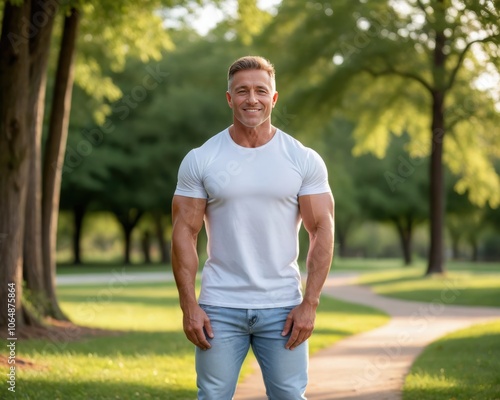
x: 252, y: 97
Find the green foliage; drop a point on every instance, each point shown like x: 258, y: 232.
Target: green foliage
x: 251, y: 20
x: 109, y: 34
x: 396, y: 186
x: 373, y: 62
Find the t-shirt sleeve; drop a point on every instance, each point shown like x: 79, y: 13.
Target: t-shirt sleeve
x: 315, y: 175
x: 189, y: 179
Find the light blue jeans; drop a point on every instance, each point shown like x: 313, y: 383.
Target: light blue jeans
x: 235, y: 330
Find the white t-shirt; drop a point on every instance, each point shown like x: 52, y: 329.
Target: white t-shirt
x: 252, y: 217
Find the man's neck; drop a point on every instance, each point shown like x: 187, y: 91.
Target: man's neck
x: 252, y: 137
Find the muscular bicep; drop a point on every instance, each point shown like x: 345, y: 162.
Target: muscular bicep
x: 317, y: 212
x: 187, y: 215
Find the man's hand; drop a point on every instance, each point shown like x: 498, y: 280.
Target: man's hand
x: 301, y: 322
x: 196, y: 323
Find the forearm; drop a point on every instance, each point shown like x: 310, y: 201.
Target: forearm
x: 319, y: 260
x: 185, y: 267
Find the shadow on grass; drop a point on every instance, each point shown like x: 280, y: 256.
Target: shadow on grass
x: 127, y: 344
x: 101, y: 390
x: 155, y: 293
x: 103, y: 297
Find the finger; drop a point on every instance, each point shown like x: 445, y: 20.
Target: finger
x: 288, y: 325
x: 303, y: 336
x: 208, y: 328
x: 292, y: 339
x: 300, y: 337
x: 203, y: 343
x: 198, y: 338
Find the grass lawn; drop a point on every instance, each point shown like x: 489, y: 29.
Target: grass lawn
x: 153, y: 360
x: 462, y: 365
x: 460, y: 286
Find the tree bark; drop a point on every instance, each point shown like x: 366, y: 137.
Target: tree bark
x: 437, y: 189
x: 54, y: 155
x: 14, y: 156
x: 78, y: 214
x: 42, y: 16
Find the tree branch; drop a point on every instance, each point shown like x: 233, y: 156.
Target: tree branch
x: 422, y: 7
x: 404, y: 74
x: 462, y: 56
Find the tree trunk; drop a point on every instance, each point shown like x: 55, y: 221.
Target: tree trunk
x: 146, y: 247
x: 405, y: 230
x: 128, y: 221
x: 54, y: 154
x: 164, y: 247
x: 39, y: 54
x: 437, y: 193
x: 14, y: 155
x: 78, y: 214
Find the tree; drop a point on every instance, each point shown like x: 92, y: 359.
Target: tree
x: 14, y: 157
x: 54, y: 153
x: 395, y: 190
x: 39, y: 56
x: 393, y: 66
x: 465, y: 221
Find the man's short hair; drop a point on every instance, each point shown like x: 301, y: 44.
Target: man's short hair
x: 249, y: 63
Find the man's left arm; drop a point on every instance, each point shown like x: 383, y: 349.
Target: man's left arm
x: 317, y: 212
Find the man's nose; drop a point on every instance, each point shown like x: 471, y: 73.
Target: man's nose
x: 251, y: 97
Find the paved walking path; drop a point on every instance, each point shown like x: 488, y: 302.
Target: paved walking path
x: 373, y: 365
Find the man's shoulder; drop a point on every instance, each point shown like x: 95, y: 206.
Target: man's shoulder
x: 295, y: 145
x: 216, y: 139
x: 212, y: 143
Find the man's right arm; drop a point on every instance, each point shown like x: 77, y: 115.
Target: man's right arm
x: 187, y: 221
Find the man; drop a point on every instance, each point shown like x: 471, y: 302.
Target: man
x: 252, y: 184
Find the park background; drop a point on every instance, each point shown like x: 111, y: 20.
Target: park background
x: 401, y: 98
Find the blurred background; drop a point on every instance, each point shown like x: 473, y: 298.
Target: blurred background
x: 401, y: 98
x: 356, y: 83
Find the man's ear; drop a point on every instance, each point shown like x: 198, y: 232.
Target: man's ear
x: 275, y: 98
x: 229, y: 99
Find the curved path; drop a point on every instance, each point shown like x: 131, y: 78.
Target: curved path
x: 373, y: 365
